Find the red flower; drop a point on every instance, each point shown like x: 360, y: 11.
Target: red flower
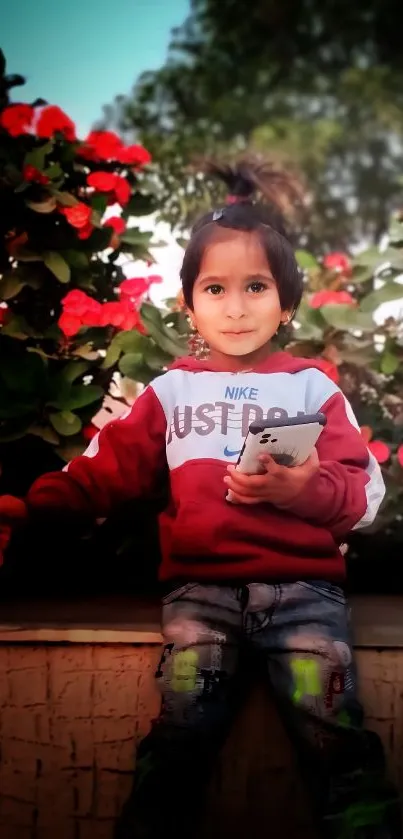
x: 113, y: 314
x: 12, y: 509
x: 102, y: 145
x: 366, y: 433
x: 3, y: 314
x: 133, y: 289
x: 53, y: 119
x: 76, y: 302
x: 17, y: 119
x: 123, y: 190
x: 134, y: 155
x: 30, y: 173
x: 117, y: 223
x: 327, y: 297
x: 103, y: 181
x: 339, y: 262
x: 329, y: 368
x: 69, y: 324
x: 92, y: 314
x: 86, y: 231
x: 90, y: 431
x: 81, y: 308
x: 380, y: 450
x: 122, y: 315
x: 400, y: 455
x: 78, y: 216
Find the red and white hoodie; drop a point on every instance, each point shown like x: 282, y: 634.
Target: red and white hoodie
x: 189, y: 423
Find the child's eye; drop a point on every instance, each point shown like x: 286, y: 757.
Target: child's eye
x: 214, y: 289
x: 257, y: 286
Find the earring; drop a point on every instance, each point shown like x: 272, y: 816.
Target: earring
x: 197, y: 345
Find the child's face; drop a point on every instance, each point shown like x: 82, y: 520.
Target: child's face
x: 236, y: 306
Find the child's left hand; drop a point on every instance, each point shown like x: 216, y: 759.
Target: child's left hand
x: 279, y: 485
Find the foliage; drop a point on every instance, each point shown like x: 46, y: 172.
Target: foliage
x: 361, y: 353
x: 316, y: 83
x: 69, y: 318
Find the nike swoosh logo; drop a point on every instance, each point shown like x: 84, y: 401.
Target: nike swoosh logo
x: 229, y: 453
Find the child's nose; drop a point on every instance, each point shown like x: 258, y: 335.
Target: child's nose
x: 235, y: 306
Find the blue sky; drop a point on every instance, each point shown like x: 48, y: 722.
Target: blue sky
x: 80, y: 53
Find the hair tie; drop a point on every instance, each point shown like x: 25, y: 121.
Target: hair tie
x: 238, y: 199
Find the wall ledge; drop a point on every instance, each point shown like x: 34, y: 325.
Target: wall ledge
x: 77, y: 635
x: 377, y: 621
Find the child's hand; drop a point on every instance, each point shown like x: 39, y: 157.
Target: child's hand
x: 279, y: 485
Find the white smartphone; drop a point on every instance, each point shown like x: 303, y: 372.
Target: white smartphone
x: 289, y: 441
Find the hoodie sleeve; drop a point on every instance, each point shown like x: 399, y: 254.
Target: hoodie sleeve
x: 348, y: 491
x: 124, y: 461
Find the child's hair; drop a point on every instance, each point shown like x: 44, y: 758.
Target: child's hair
x: 280, y: 191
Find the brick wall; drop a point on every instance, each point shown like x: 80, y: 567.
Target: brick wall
x: 70, y: 716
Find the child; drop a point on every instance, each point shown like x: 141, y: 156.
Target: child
x: 264, y: 571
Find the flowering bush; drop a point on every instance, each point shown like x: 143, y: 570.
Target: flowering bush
x: 363, y: 353
x: 69, y: 316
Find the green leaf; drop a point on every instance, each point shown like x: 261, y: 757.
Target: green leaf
x: 370, y: 258
x: 37, y: 157
x: 10, y: 285
x: 73, y: 370
x: 179, y: 321
x: 24, y: 374
x: 134, y: 236
x: 156, y: 358
x: 311, y: 322
x: 13, y: 408
x: 66, y: 423
x: 390, y: 291
x: 306, y: 260
x: 361, y: 274
x: 13, y: 281
x: 45, y: 433
x: 24, y: 254
x: 165, y: 337
x: 99, y: 202
x: 345, y: 317
x: 65, y: 198
x: 15, y: 430
x: 24, y: 185
x: 86, y: 351
x: 76, y: 259
x: 17, y: 328
x: 140, y: 205
x: 77, y: 397
x: 54, y: 172
x: 394, y: 256
x: 389, y: 363
x: 113, y: 354
x: 57, y: 265
x: 132, y: 365
x: 71, y: 449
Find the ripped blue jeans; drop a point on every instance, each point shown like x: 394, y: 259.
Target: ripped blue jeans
x: 300, y: 632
